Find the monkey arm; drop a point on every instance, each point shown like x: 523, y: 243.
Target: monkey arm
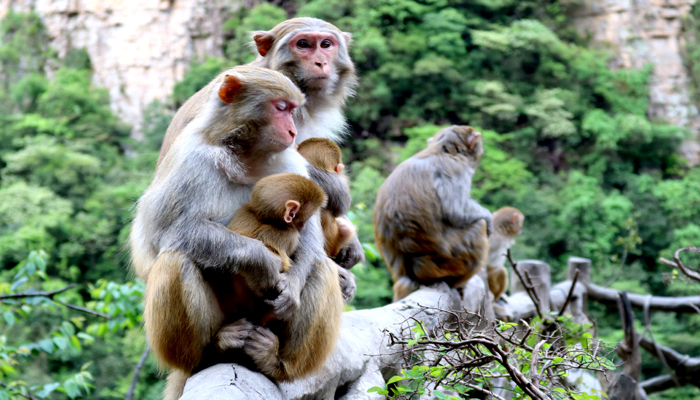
x: 211, y: 245
x: 308, y: 254
x: 459, y: 210
x: 335, y: 187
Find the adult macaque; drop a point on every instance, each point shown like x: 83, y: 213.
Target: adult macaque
x: 426, y: 226
x: 242, y: 131
x: 314, y: 55
x: 325, y: 155
x: 507, y: 224
x: 278, y: 209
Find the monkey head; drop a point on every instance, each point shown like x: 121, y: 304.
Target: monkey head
x: 286, y: 199
x: 508, y: 221
x: 310, y: 51
x: 322, y: 154
x: 458, y: 140
x: 255, y: 110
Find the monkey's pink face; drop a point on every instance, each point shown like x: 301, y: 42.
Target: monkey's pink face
x: 317, y: 52
x: 282, y: 122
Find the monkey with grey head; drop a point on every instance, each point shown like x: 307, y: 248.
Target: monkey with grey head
x: 427, y: 227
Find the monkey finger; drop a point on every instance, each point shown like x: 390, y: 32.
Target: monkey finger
x: 347, y: 284
x: 286, y: 302
x: 350, y: 255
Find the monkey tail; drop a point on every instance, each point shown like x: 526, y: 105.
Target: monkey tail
x: 175, y: 384
x: 403, y: 287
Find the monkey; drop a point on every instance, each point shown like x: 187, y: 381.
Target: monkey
x: 314, y: 54
x: 507, y: 224
x: 279, y: 207
x: 325, y: 155
x: 180, y: 246
x: 426, y: 226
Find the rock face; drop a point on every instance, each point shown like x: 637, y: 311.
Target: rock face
x: 649, y: 31
x: 139, y: 48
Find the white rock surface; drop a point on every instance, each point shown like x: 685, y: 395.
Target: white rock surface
x: 361, y: 360
x: 139, y: 48
x: 643, y: 32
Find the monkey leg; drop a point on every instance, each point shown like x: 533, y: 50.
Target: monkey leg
x: 175, y: 384
x: 181, y: 313
x: 403, y: 287
x: 310, y: 335
x: 498, y: 281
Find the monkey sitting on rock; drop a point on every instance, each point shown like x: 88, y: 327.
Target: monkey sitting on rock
x: 427, y: 227
x: 507, y: 224
x: 325, y: 155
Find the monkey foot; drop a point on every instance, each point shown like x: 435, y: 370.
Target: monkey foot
x: 233, y: 335
x: 263, y: 347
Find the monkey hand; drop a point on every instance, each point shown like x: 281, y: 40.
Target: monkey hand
x: 233, y: 336
x: 347, y: 284
x: 263, y: 274
x: 287, y: 301
x: 351, y: 254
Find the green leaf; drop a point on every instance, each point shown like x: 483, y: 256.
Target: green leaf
x: 394, y: 379
x: 9, y: 317
x: 439, y: 394
x: 557, y: 360
x: 4, y: 395
x: 61, y: 342
x: 46, y: 345
x: 72, y: 389
x: 47, y: 390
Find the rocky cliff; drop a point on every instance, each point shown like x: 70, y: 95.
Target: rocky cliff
x: 140, y: 48
x: 643, y: 32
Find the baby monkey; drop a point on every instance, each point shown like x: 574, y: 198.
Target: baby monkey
x: 324, y: 154
x: 278, y: 208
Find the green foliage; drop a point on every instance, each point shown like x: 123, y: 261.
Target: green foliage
x: 240, y: 48
x: 30, y: 292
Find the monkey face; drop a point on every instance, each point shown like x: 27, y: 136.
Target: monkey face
x: 316, y: 52
x: 282, y: 123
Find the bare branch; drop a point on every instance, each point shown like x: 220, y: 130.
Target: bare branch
x: 570, y: 295
x: 137, y: 370
x: 529, y: 289
x: 26, y: 396
x: 692, y: 274
x: 36, y: 294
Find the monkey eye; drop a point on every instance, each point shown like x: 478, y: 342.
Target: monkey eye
x: 281, y: 105
x: 326, y: 44
x: 303, y: 44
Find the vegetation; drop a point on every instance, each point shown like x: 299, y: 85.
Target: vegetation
x: 568, y: 141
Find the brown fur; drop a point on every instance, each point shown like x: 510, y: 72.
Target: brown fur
x: 507, y: 223
x: 426, y: 226
x: 262, y: 217
x: 203, y: 280
x: 324, y: 154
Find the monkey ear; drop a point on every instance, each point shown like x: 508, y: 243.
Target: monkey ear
x: 348, y: 38
x: 263, y: 42
x: 514, y: 219
x: 230, y: 89
x: 472, y: 140
x: 339, y: 168
x: 291, y: 208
